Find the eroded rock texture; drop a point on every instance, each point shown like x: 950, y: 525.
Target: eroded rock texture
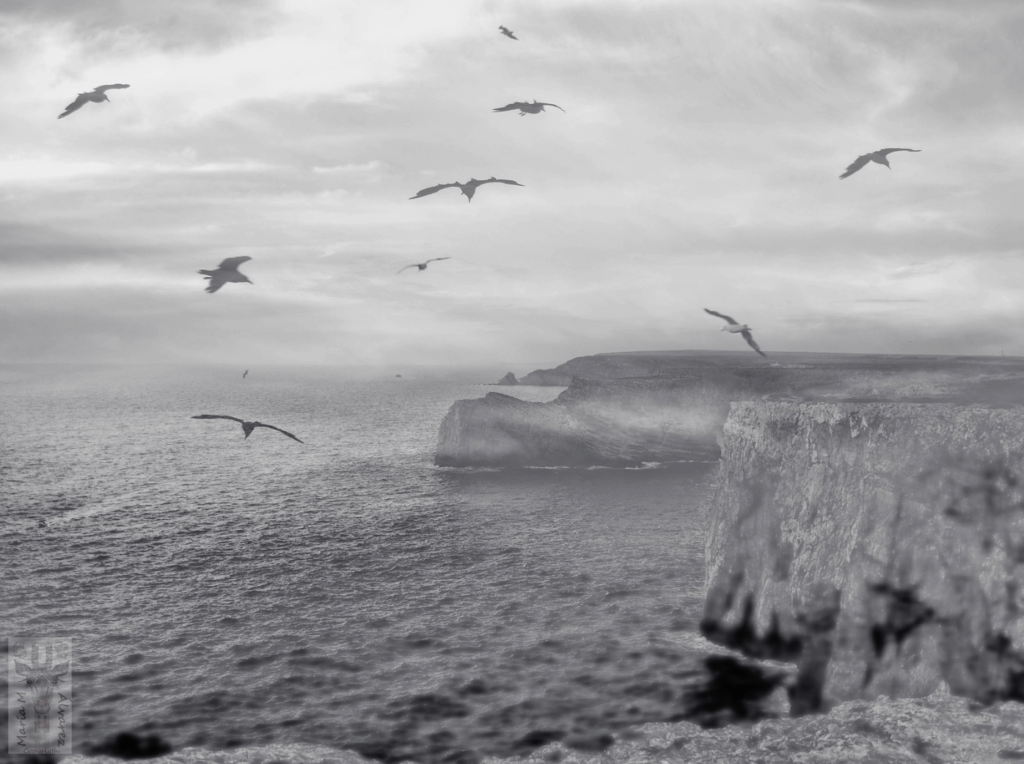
x: 879, y: 546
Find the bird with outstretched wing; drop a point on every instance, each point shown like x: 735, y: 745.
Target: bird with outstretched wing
x: 734, y: 327
x: 225, y: 272
x: 98, y: 95
x: 528, y: 108
x: 423, y: 266
x: 875, y: 156
x: 508, y: 32
x: 468, y: 188
x: 247, y: 427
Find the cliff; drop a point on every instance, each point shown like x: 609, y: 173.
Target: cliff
x: 621, y: 409
x: 880, y: 546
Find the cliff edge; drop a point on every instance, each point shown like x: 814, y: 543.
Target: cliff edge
x: 880, y: 546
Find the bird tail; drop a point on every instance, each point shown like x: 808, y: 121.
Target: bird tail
x: 208, y: 274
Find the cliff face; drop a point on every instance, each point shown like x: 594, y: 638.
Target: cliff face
x: 880, y: 546
x: 617, y: 427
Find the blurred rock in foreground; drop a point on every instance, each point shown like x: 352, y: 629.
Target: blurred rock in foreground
x: 939, y: 729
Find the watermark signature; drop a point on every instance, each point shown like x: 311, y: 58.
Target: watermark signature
x: 39, y: 695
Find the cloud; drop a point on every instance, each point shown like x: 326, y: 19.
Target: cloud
x: 182, y: 25
x: 696, y: 166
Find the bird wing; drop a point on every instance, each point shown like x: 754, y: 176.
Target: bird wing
x: 512, y: 106
x: 859, y: 162
x: 729, y: 319
x: 284, y: 432
x: 434, y: 189
x: 750, y: 341
x: 414, y: 265
x: 217, y: 280
x: 105, y: 88
x: 496, y: 180
x: 886, y: 152
x: 219, y: 416
x: 552, y: 104
x: 78, y: 103
x: 232, y: 263
x: 438, y: 258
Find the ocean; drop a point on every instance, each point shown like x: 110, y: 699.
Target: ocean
x: 344, y: 592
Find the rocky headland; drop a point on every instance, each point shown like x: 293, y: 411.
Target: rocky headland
x: 867, y: 523
x: 623, y: 409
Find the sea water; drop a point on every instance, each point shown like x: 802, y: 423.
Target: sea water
x: 225, y: 592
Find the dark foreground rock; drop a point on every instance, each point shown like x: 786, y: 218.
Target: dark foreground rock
x: 878, y: 546
x: 939, y: 729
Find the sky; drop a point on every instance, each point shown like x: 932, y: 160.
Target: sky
x: 696, y: 166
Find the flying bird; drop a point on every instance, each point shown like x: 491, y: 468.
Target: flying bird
x: 245, y: 374
x: 875, y: 156
x: 733, y: 327
x: 423, y: 267
x: 247, y: 427
x: 528, y: 108
x: 469, y: 188
x: 98, y: 95
x: 508, y: 32
x: 226, y: 271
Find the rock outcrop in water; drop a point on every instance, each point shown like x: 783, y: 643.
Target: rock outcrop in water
x: 878, y: 545
x: 508, y: 379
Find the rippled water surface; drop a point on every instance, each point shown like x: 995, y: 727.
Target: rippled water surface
x: 344, y: 592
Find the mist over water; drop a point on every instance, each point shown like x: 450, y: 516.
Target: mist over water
x: 226, y: 592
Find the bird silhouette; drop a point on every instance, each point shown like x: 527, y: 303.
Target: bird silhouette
x: 247, y: 427
x: 98, y: 95
x: 468, y: 188
x: 528, y: 108
x: 245, y: 374
x: 734, y: 327
x: 423, y: 267
x: 226, y: 271
x: 508, y: 32
x: 875, y: 156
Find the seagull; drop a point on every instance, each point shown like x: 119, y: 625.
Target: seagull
x: 247, y: 427
x: 875, y: 156
x: 528, y: 108
x: 734, y: 328
x: 245, y: 374
x: 423, y: 267
x: 226, y: 271
x: 468, y: 188
x: 508, y: 32
x: 98, y: 95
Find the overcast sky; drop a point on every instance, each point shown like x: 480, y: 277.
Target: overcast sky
x: 696, y: 166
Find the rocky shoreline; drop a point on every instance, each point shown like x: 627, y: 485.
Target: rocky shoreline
x: 939, y: 729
